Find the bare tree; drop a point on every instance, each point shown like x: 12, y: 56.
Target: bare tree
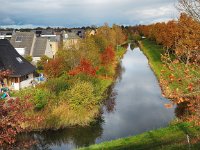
x: 190, y: 7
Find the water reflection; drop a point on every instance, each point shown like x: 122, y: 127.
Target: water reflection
x: 133, y: 45
x: 66, y: 138
x: 110, y: 102
x: 139, y: 103
x: 135, y: 105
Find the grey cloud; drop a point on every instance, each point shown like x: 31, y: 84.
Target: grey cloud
x: 84, y: 12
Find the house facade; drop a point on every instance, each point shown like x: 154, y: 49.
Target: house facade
x: 21, y: 70
x: 28, y: 44
x: 70, y: 39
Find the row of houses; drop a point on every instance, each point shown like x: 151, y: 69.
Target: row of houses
x: 37, y: 43
x: 15, y: 46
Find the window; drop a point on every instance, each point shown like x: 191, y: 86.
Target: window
x: 18, y: 39
x: 19, y: 59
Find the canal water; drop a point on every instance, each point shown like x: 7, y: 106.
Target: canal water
x: 135, y: 105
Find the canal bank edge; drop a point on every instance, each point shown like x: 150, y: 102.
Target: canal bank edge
x: 175, y: 136
x: 153, y: 53
x: 172, y: 137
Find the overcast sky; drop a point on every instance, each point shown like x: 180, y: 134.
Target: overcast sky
x: 77, y: 13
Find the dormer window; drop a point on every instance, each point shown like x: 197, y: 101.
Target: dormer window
x: 19, y: 60
x: 18, y: 39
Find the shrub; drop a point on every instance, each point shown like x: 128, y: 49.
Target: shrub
x: 80, y: 95
x: 41, y: 98
x: 12, y: 117
x: 57, y: 85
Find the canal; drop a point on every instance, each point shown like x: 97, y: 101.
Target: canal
x: 135, y: 105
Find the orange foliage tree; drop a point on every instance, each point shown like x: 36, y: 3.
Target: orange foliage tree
x: 85, y: 67
x: 108, y: 56
x: 188, y: 43
x: 54, y: 68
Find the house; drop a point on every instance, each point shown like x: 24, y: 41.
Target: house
x: 53, y: 37
x: 6, y: 34
x: 54, y: 41
x: 90, y: 32
x: 28, y: 44
x: 78, y: 31
x: 41, y: 32
x: 21, y: 70
x: 70, y: 39
x: 41, y: 47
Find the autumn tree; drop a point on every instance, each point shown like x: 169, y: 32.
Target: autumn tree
x: 43, y: 60
x: 188, y: 43
x: 71, y: 57
x: 120, y: 36
x: 108, y: 34
x: 108, y: 56
x: 54, y: 68
x: 85, y: 67
x: 90, y: 50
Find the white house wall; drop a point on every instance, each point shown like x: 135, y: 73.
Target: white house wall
x: 27, y: 82
x: 21, y: 51
x: 16, y: 86
x: 48, y: 51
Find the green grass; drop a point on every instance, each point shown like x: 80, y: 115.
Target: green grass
x: 173, y: 137
x: 153, y: 53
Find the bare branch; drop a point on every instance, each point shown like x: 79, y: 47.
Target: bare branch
x: 190, y: 7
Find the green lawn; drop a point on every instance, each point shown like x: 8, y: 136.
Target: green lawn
x: 173, y: 137
x: 153, y: 53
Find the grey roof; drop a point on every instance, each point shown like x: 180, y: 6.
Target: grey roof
x: 27, y: 39
x: 48, y: 32
x: 72, y: 35
x: 12, y: 60
x: 44, y: 32
x: 39, y: 47
x: 6, y: 32
x: 54, y: 39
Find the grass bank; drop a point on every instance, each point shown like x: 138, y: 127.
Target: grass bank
x: 153, y: 53
x: 173, y: 137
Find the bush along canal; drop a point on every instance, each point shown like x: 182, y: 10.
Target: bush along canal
x: 135, y: 105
